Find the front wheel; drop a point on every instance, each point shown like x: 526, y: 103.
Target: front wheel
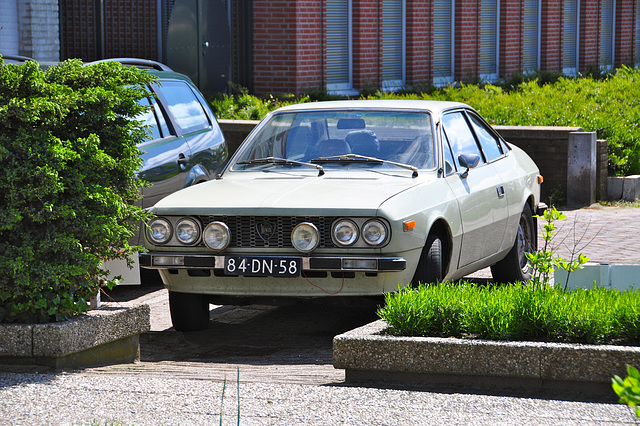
x: 431, y: 266
x: 189, y: 312
x: 516, y: 266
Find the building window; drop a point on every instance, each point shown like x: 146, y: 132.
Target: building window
x: 339, y: 55
x: 531, y: 41
x: 607, y: 39
x: 489, y: 39
x: 571, y: 37
x: 393, y: 44
x: 443, y: 41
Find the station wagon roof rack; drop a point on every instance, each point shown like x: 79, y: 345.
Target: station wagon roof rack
x: 137, y: 62
x: 18, y: 58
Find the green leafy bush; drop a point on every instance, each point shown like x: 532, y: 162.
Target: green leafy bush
x: 628, y: 389
x: 514, y: 312
x: 68, y: 158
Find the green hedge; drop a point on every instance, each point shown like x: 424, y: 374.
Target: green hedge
x: 609, y: 106
x: 68, y: 158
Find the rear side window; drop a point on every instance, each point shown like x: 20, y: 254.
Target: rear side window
x: 184, y: 106
x: 460, y: 136
x: 490, y: 144
x: 155, y: 125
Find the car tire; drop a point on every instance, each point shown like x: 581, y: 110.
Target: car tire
x: 515, y: 267
x: 430, y: 268
x: 189, y: 312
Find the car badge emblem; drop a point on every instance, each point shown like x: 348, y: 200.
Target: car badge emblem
x: 265, y: 230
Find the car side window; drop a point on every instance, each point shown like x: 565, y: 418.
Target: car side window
x: 489, y: 142
x: 460, y: 136
x: 153, y: 119
x: 184, y: 106
x: 149, y: 120
x: 449, y: 164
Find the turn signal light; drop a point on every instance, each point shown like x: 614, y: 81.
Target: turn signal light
x: 408, y: 225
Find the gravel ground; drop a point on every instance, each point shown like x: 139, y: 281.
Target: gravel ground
x: 81, y: 399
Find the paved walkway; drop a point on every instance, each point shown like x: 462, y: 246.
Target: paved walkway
x: 604, y: 234
x: 311, y: 393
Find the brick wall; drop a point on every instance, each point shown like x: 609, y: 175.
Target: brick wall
x: 419, y: 41
x: 38, y: 29
x: 625, y: 31
x: 309, y: 51
x: 511, y: 36
x: 467, y: 39
x: 551, y: 36
x: 589, y: 49
x: 367, y: 43
x: 274, y: 42
x: 289, y: 44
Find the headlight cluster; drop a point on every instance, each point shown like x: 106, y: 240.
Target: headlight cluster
x: 186, y: 230
x: 305, y: 236
x: 346, y: 232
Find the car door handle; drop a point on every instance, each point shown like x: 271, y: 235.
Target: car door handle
x: 183, y: 159
x: 500, y: 190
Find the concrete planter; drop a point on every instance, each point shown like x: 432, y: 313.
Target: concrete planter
x: 566, y: 370
x: 108, y: 335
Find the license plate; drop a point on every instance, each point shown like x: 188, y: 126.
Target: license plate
x: 256, y: 266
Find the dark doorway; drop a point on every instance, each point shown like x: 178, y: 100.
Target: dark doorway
x: 199, y: 42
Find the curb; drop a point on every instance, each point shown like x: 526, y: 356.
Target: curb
x: 525, y: 368
x: 108, y: 335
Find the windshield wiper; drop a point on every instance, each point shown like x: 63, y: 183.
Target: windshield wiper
x: 365, y: 159
x: 277, y: 160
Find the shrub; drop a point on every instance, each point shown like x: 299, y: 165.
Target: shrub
x: 628, y: 389
x: 514, y: 312
x: 68, y: 158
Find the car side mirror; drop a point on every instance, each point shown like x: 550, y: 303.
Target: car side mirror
x: 468, y: 161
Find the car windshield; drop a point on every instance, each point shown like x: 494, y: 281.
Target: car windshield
x: 342, y: 139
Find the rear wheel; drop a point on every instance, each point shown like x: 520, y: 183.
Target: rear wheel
x: 515, y: 266
x: 189, y: 312
x: 430, y: 267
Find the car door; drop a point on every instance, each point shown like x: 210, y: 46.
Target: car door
x: 479, y: 190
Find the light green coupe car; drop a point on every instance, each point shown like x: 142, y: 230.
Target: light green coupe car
x: 348, y: 198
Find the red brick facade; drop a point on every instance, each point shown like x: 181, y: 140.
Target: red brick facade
x: 290, y: 44
x: 280, y: 46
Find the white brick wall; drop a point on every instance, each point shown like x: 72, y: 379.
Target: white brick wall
x: 39, y: 29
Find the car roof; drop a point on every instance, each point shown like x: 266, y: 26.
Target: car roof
x: 427, y: 105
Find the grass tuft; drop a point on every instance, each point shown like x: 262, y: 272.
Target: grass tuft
x: 515, y: 312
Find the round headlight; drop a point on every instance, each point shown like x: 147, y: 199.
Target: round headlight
x: 187, y: 231
x: 374, y: 233
x: 345, y: 232
x: 305, y: 237
x: 217, y: 236
x: 159, y: 230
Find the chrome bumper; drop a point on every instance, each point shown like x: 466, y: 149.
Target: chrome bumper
x: 328, y: 263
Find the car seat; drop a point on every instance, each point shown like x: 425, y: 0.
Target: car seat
x: 363, y: 142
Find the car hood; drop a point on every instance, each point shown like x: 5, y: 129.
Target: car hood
x: 282, y: 193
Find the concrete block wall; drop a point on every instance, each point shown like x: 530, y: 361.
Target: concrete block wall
x: 602, y: 169
x: 549, y: 148
x: 39, y: 29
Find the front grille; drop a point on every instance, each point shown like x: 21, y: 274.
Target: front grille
x: 245, y: 230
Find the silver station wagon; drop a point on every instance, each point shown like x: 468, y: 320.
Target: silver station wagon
x: 348, y: 198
